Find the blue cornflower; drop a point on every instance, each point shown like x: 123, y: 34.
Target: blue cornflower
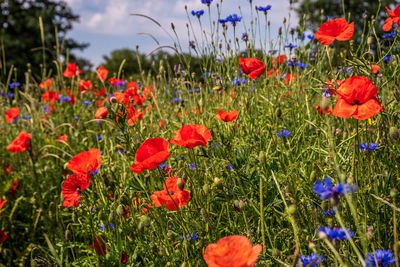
x: 197, y: 90
x: 273, y: 51
x: 335, y: 233
x: 182, y: 158
x: 208, y: 74
x: 192, y: 166
x: 284, y: 133
x: 120, y: 85
x: 110, y: 95
x: 101, y: 226
x: 230, y: 167
x: 222, y: 21
x: 236, y: 81
x: 178, y: 92
x: 215, y: 145
x: 290, y: 63
x: 191, y: 237
x: 176, y: 99
x: 373, y: 147
x: 389, y: 35
x: 234, y: 19
x: 245, y: 37
x: 162, y: 166
x: 198, y: 13
x: 265, y: 8
x: 16, y: 84
x: 25, y: 117
x: 312, y: 260
x: 76, y: 118
x: 96, y: 172
x: 46, y: 109
x: 64, y: 98
x: 327, y: 191
x: 311, y: 37
x: 327, y: 93
x: 98, y: 137
x: 290, y: 46
x: 86, y: 103
x: 301, y: 65
x: 191, y: 90
x: 302, y: 36
x: 387, y: 58
x: 329, y: 213
x: 10, y: 95
x: 112, y: 225
x: 383, y: 258
x: 208, y: 2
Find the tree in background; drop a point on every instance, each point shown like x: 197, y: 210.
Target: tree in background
x: 20, y: 35
x: 358, y: 10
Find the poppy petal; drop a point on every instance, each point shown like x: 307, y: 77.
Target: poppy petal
x: 368, y: 109
x: 343, y: 109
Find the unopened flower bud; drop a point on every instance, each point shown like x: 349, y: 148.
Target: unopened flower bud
x: 394, y: 133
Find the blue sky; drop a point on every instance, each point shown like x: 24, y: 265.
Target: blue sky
x: 107, y: 24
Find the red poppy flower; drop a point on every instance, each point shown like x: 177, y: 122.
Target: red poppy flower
x: 3, y: 236
x: 124, y: 257
x: 99, y: 93
x: 232, y: 251
x: 102, y: 73
x: 2, y: 203
x: 150, y: 154
x: 21, y: 143
x: 71, y: 70
x: 14, y: 188
x: 273, y: 73
x: 50, y: 96
x: 357, y: 98
x: 101, y: 113
x: 71, y: 188
x: 322, y: 111
x: 394, y: 18
x: 375, y: 68
x: 11, y: 115
x: 336, y: 29
x: 85, y: 85
x: 279, y: 60
x: 191, y: 136
x: 290, y: 78
x: 62, y: 138
x: 46, y: 84
x: 174, y: 198
x: 252, y: 67
x: 8, y: 169
x: 86, y: 162
x: 226, y: 116
x: 99, y: 245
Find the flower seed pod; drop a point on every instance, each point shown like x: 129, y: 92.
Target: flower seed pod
x: 394, y: 133
x: 217, y: 182
x: 144, y: 221
x: 370, y: 40
x: 120, y: 210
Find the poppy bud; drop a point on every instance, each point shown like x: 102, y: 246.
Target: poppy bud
x: 144, y: 221
x: 180, y: 183
x: 113, y: 100
x: 370, y: 40
x: 236, y: 205
x: 67, y: 235
x: 262, y: 157
x: 370, y: 234
x: 394, y: 133
x: 275, y: 252
x: 184, y: 264
x: 312, y: 175
x: 284, y: 20
x: 311, y: 245
x: 325, y: 103
x: 120, y: 210
x: 393, y: 192
x: 321, y: 235
x: 217, y: 182
x: 291, y: 209
x: 171, y: 235
x: 280, y: 31
x: 172, y: 26
x: 206, y: 189
x: 111, y: 216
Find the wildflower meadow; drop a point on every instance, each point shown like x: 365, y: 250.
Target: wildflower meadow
x: 282, y: 151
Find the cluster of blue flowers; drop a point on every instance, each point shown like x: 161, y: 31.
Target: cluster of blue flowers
x: 86, y: 103
x: 236, y: 81
x: 231, y: 18
x: 290, y: 46
x: 336, y: 233
x: 383, y: 258
x: 208, y: 2
x: 345, y: 70
x: 372, y: 147
x: 329, y: 213
x: 14, y: 85
x: 64, y: 98
x: 389, y: 35
x: 190, y: 237
x: 312, y: 260
x: 284, y: 133
x: 327, y: 191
